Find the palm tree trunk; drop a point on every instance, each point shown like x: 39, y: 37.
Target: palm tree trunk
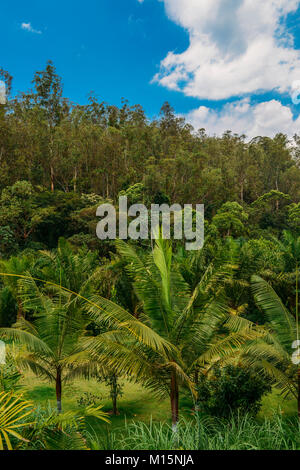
x: 20, y: 313
x: 58, y: 389
x: 115, y: 409
x: 114, y: 393
x: 174, y: 399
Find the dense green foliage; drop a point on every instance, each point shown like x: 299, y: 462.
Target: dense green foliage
x: 216, y: 325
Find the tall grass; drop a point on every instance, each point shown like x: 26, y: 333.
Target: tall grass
x: 238, y: 433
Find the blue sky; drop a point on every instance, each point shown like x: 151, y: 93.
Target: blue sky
x: 224, y: 64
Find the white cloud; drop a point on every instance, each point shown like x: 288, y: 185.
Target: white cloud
x: 237, y: 47
x: 267, y: 118
x: 28, y: 27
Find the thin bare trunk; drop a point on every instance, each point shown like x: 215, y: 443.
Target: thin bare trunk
x: 52, y: 178
x: 242, y: 192
x: 75, y: 179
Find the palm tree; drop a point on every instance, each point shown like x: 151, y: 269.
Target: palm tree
x: 57, y: 320
x: 274, y: 353
x: 16, y: 265
x: 291, y: 251
x: 52, y: 338
x: 75, y: 271
x: 187, y: 323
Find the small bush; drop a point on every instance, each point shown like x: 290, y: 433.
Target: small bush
x: 230, y: 390
x: 88, y: 399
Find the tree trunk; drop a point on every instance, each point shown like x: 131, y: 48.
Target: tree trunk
x: 58, y: 389
x: 20, y: 313
x: 75, y: 180
x: 242, y: 192
x: 115, y: 409
x: 174, y: 399
x: 114, y: 393
x: 52, y: 178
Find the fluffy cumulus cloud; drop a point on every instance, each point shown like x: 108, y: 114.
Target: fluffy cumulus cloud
x: 237, y: 47
x: 241, y: 117
x: 30, y: 29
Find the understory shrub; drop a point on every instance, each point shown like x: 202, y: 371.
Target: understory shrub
x: 230, y: 390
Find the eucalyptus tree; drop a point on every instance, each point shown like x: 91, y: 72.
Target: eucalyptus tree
x: 48, y: 98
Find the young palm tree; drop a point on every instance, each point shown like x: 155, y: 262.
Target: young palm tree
x: 274, y: 353
x: 52, y: 338
x: 58, y: 322
x: 291, y: 249
x: 74, y: 271
x: 17, y: 265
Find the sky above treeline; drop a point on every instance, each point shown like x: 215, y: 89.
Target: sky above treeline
x: 223, y: 64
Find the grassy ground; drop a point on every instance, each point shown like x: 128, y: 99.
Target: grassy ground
x: 275, y: 403
x: 137, y: 403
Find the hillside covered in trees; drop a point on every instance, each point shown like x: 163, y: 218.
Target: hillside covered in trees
x: 58, y: 160
x: 211, y: 331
